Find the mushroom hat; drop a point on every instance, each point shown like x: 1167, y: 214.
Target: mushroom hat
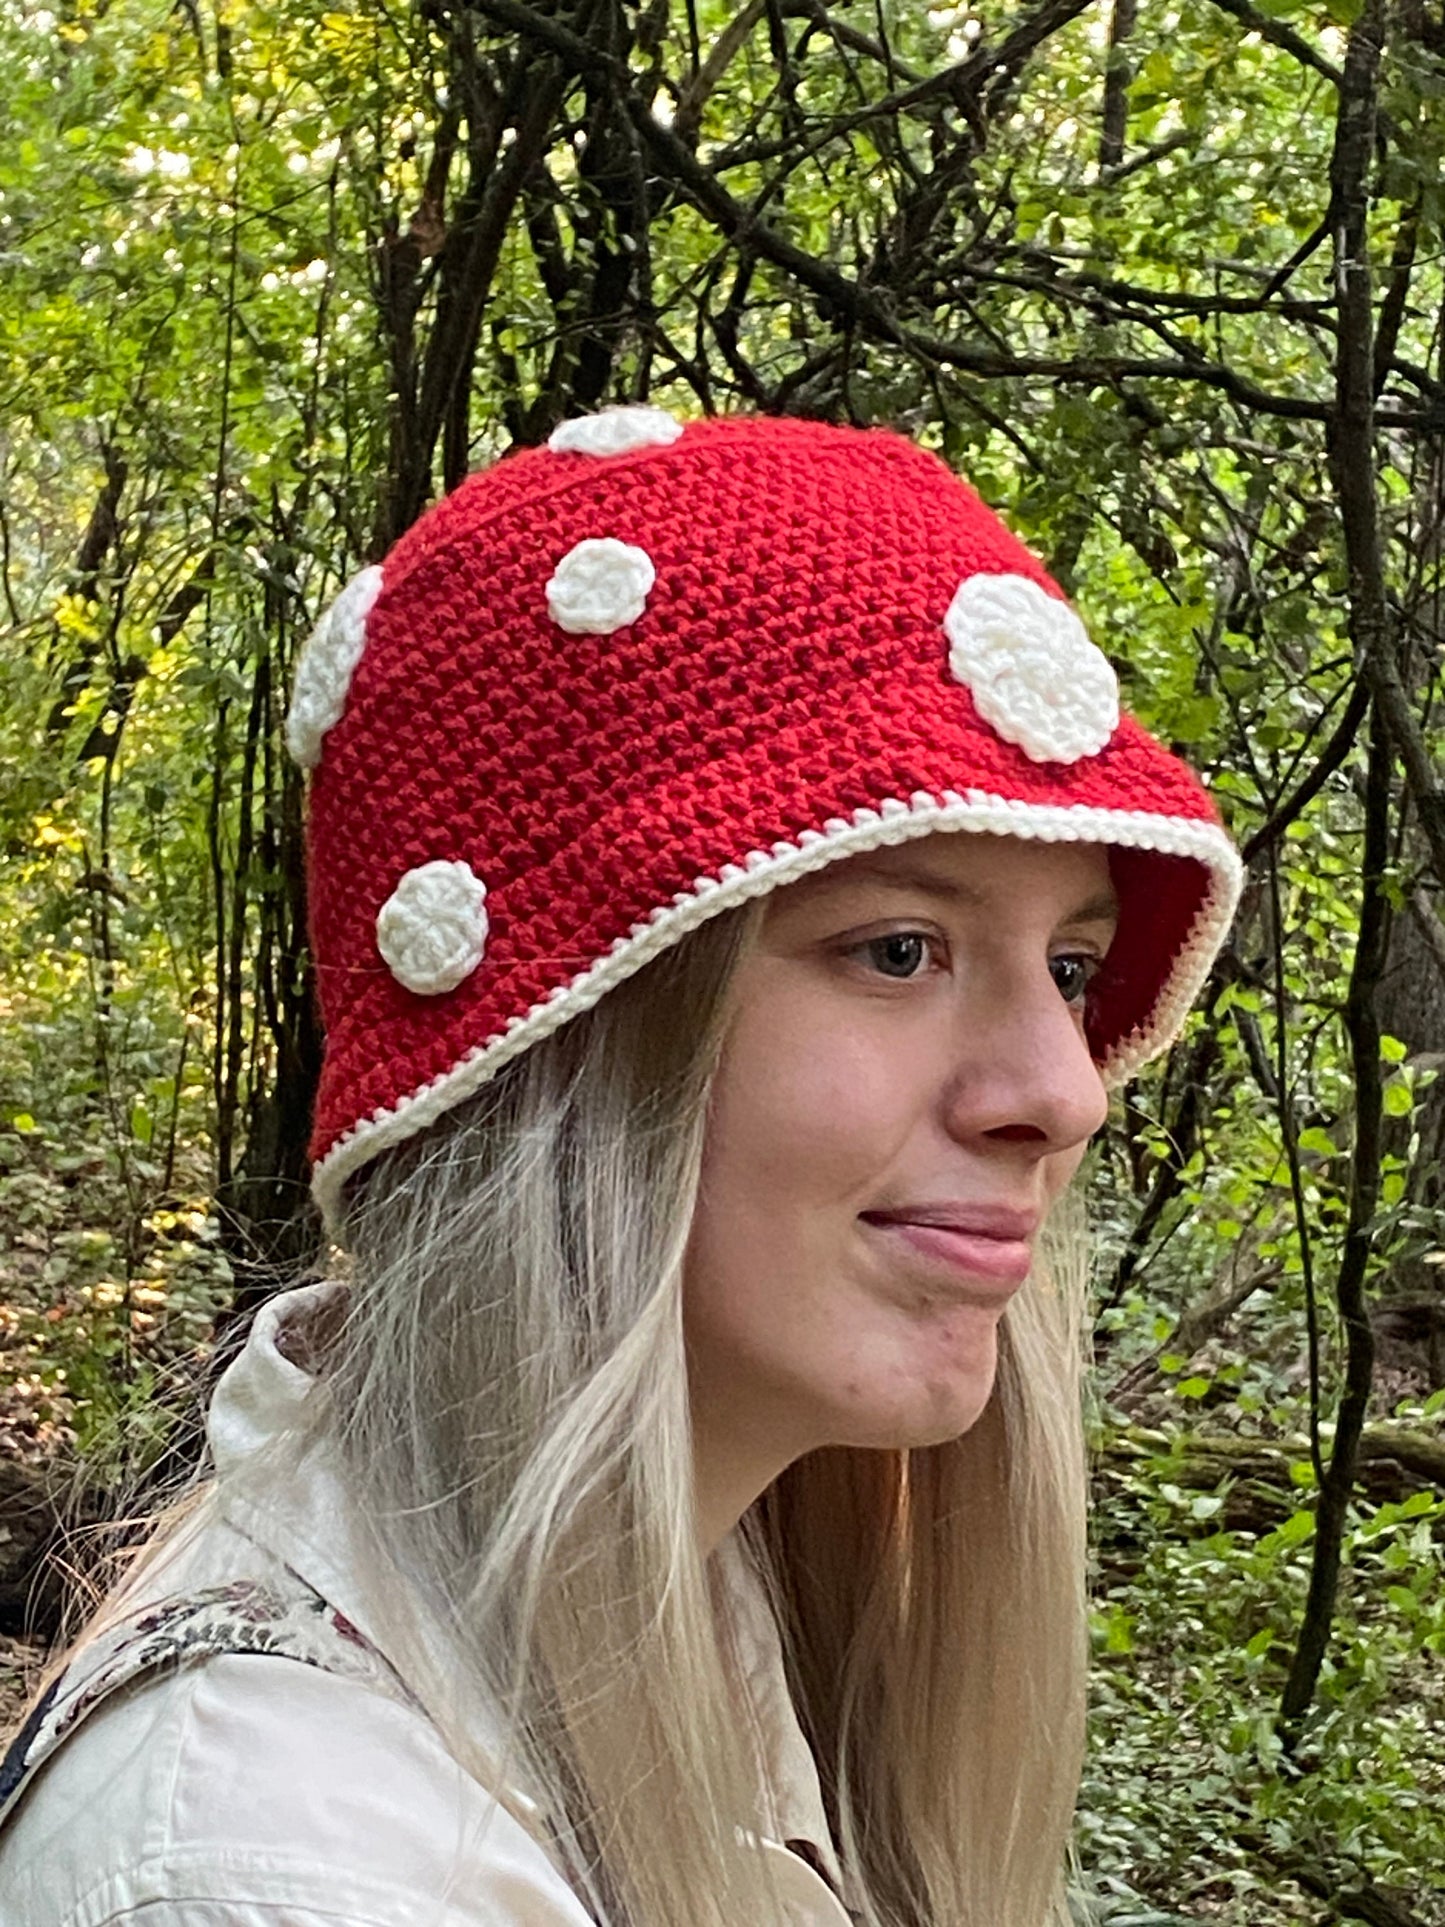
x: 615, y: 685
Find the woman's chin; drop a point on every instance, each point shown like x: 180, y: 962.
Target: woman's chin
x: 937, y: 1402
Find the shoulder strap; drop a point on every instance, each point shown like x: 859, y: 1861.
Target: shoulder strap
x: 244, y: 1616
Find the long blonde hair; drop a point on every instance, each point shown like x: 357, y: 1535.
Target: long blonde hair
x: 508, y: 1394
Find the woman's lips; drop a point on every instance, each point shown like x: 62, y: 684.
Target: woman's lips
x: 983, y: 1256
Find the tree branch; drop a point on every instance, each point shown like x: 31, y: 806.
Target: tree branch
x: 1353, y: 426
x: 1342, y: 741
x: 1279, y: 35
x: 1362, y: 1025
x: 866, y: 307
x: 692, y: 98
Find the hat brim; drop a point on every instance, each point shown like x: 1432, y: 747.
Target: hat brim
x: 1178, y: 879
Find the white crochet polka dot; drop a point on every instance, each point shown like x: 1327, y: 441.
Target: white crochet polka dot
x: 328, y: 662
x: 615, y: 431
x: 1027, y: 661
x: 600, y: 586
x: 432, y: 929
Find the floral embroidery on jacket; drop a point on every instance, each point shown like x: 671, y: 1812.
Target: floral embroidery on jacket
x: 242, y: 1616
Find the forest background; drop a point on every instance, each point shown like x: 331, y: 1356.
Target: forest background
x: 1164, y: 280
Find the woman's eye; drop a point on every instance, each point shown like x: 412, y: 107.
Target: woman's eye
x: 1073, y: 975
x: 900, y: 955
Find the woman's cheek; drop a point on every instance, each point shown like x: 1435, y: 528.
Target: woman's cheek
x: 822, y: 1132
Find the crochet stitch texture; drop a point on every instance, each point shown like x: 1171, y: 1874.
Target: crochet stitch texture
x: 783, y: 692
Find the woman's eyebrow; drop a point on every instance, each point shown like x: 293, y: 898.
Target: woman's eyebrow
x: 896, y: 877
x: 1102, y: 907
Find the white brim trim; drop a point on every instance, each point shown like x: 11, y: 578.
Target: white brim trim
x: 893, y: 821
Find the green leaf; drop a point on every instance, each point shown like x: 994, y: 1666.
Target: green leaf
x: 1419, y: 1503
x: 1296, y: 1529
x: 1119, y: 1636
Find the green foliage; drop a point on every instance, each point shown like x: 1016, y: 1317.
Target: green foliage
x: 1191, y: 1800
x: 106, y: 1307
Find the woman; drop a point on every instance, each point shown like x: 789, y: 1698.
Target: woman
x: 733, y: 890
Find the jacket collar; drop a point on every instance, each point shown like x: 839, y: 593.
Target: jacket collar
x: 309, y: 1522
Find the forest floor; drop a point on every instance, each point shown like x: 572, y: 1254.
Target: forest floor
x: 105, y: 1312
x: 34, y: 1424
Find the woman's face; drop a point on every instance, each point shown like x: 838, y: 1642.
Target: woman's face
x: 905, y: 1088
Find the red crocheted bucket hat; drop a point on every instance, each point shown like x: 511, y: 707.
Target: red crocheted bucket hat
x: 611, y: 687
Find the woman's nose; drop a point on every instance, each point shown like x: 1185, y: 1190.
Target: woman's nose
x: 1023, y: 1073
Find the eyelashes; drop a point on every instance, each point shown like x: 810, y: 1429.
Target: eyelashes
x: 899, y: 956
x: 1074, y: 972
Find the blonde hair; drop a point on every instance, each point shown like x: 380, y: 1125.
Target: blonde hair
x: 508, y: 1394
